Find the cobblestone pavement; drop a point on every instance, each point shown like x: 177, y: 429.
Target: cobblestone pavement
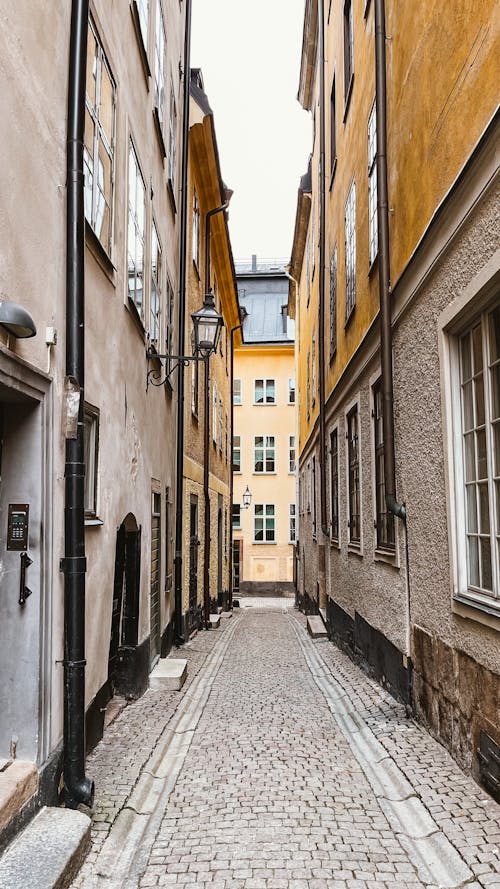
x: 273, y: 793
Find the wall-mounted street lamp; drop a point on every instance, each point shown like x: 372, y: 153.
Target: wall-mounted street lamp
x: 247, y: 498
x: 16, y: 320
x: 207, y: 328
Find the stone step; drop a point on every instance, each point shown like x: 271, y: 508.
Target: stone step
x: 227, y: 614
x: 48, y: 853
x: 214, y: 621
x: 18, y: 783
x: 170, y: 673
x: 316, y: 627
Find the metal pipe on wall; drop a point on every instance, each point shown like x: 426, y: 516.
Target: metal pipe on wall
x: 78, y: 789
x: 179, y: 488
x: 321, y: 308
x: 231, y: 478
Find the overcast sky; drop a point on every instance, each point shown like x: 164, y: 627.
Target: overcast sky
x: 249, y: 54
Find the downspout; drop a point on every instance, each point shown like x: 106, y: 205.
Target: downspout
x: 321, y: 309
x: 398, y: 509
x: 179, y: 487
x: 231, y: 479
x: 78, y: 789
x: 206, y: 437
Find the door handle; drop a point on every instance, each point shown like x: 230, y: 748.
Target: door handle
x: 24, y: 591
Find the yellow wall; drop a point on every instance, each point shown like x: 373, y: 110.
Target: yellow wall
x: 273, y: 561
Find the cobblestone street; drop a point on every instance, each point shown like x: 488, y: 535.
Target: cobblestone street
x: 280, y: 765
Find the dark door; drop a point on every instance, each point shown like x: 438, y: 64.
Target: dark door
x: 236, y: 565
x: 220, y: 532
x: 193, y: 556
x: 125, y: 610
x: 154, y: 606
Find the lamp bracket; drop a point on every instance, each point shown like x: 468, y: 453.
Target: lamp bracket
x: 154, y: 375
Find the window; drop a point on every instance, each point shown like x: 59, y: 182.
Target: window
x: 237, y: 392
x: 169, y: 320
x: 136, y: 228
x: 90, y: 454
x: 291, y: 391
x: 214, y: 412
x: 156, y: 287
x: 334, y: 485
x: 353, y: 476
x: 143, y: 13
x: 291, y: 454
x: 333, y: 303
x: 372, y: 185
x: 313, y: 368
x: 350, y: 252
x: 264, y: 453
x: 159, y: 73
x: 333, y: 130
x: 291, y: 523
x: 478, y: 476
x: 172, y: 138
x: 237, y: 516
x: 98, y: 151
x: 236, y: 453
x: 348, y: 48
x: 384, y: 520
x: 196, y: 231
x: 264, y: 523
x: 308, y: 483
x: 195, y: 387
x: 220, y: 424
x: 314, y: 513
x: 308, y: 390
x: 265, y: 392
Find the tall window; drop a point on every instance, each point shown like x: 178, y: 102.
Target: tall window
x: 98, y: 151
x: 292, y: 463
x: 143, y: 13
x: 90, y: 450
x: 350, y: 252
x: 313, y: 368
x: 136, y: 229
x: 333, y: 130
x: 353, y: 476
x: 195, y: 388
x: 372, y: 184
x: 308, y: 388
x: 159, y: 73
x: 264, y: 523
x: 156, y: 287
x: 333, y: 302
x: 334, y: 484
x: 236, y: 453
x: 348, y: 47
x: 237, y: 516
x: 172, y: 138
x: 265, y: 392
x: 169, y: 319
x: 196, y: 231
x: 480, y: 433
x: 314, y: 513
x: 215, y: 403
x: 291, y: 391
x: 237, y: 392
x: 384, y: 518
x: 220, y: 424
x: 291, y: 523
x: 264, y: 453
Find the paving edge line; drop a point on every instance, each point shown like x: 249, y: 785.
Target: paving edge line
x: 438, y: 862
x: 125, y: 852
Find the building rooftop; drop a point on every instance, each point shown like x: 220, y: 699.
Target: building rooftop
x: 263, y: 295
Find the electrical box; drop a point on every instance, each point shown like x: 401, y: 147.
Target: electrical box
x: 17, y: 529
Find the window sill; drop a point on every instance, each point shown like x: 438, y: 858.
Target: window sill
x: 137, y: 318
x: 347, y: 100
x: 99, y: 253
x: 335, y: 543
x: 264, y: 542
x: 159, y: 133
x: 332, y: 174
x: 264, y: 404
x: 264, y: 473
x: 355, y: 549
x: 479, y: 609
x: 389, y: 556
x: 94, y: 522
x: 140, y: 42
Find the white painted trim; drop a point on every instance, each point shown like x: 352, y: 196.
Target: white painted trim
x: 353, y: 547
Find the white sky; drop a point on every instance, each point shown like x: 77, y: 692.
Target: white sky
x: 249, y: 54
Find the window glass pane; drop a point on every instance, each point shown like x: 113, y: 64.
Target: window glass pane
x: 106, y: 104
x: 494, y: 325
x: 465, y: 359
x: 471, y: 507
x: 470, y: 459
x: 259, y: 391
x: 484, y: 510
x: 270, y: 392
x: 479, y: 399
x: 496, y: 447
x: 473, y: 561
x: 259, y: 510
x: 486, y: 579
x: 477, y: 349
x: 495, y: 392
x: 468, y: 411
x: 482, y: 462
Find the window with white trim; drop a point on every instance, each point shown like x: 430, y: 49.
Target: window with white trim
x: 98, y: 149
x: 334, y: 485
x: 292, y: 455
x: 169, y: 320
x: 172, y: 138
x: 313, y: 368
x: 159, y: 70
x: 143, y: 14
x: 236, y: 391
x: 353, y: 483
x: 478, y: 469
x: 314, y: 511
x: 215, y: 402
x: 372, y: 185
x: 90, y: 451
x: 264, y: 454
x: 348, y: 47
x: 236, y: 453
x: 291, y: 390
x: 237, y: 516
x: 265, y: 391
x: 264, y: 527
x: 196, y: 231
x: 220, y: 424
x: 384, y: 519
x: 136, y: 232
x: 155, y: 297
x: 291, y: 523
x: 333, y: 302
x: 350, y: 252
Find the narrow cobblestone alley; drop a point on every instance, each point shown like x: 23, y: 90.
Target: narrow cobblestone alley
x: 298, y: 773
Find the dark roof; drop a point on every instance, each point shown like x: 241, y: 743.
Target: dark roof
x: 197, y: 91
x: 265, y: 302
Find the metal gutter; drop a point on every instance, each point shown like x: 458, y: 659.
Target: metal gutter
x: 321, y: 308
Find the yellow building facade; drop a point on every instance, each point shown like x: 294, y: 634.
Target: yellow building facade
x: 394, y: 277
x: 264, y: 454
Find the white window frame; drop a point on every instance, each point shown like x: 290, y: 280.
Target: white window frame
x: 350, y: 251
x: 159, y: 67
x: 143, y: 15
x: 292, y: 455
x: 334, y: 539
x: 172, y: 139
x: 266, y: 448
x: 292, y: 523
x: 237, y: 395
x: 291, y: 390
x: 354, y: 545
x: 265, y: 507
x: 372, y: 186
x: 266, y: 382
x: 454, y: 323
x: 137, y: 222
x: 91, y: 456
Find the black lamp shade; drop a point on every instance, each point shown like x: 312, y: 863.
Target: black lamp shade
x: 16, y: 320
x: 207, y: 327
x: 247, y: 498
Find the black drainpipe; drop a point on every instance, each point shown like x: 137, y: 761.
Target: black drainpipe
x: 321, y: 310
x: 384, y: 275
x: 231, y: 451
x: 206, y: 437
x: 179, y: 487
x: 78, y: 789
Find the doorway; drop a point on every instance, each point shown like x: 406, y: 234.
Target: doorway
x: 194, y: 544
x: 154, y: 605
x: 220, y: 543
x: 126, y: 587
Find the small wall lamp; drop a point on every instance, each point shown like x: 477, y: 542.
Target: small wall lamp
x: 247, y: 498
x: 16, y: 320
